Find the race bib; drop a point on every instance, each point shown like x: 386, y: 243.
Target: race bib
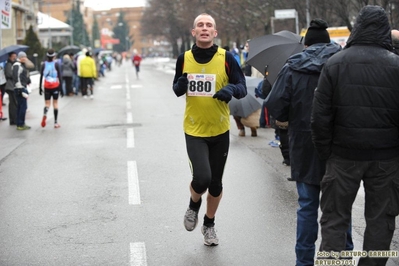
x: 201, y: 85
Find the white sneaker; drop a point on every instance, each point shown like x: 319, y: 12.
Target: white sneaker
x: 85, y: 97
x: 210, y: 237
x: 92, y: 96
x: 190, y: 219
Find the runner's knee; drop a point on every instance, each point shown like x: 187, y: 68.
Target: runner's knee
x: 215, y: 189
x: 201, y: 183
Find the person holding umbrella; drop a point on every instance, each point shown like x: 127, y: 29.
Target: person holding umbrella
x: 209, y: 77
x: 50, y: 73
x: 291, y: 100
x: 13, y: 103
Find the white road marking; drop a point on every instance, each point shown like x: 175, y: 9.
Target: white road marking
x: 138, y: 255
x: 137, y: 86
x: 133, y: 183
x: 128, y: 105
x: 129, y: 118
x: 130, y: 138
x: 116, y: 87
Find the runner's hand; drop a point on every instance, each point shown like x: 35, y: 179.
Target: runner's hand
x: 180, y: 87
x: 40, y: 91
x: 225, y: 93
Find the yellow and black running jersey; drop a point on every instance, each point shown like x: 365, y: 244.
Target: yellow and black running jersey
x: 204, y: 115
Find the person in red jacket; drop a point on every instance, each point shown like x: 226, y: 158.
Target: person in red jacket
x: 136, y: 62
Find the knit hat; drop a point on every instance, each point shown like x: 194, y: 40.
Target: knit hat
x: 21, y: 54
x: 317, y: 32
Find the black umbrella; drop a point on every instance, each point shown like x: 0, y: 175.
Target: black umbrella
x: 273, y: 50
x: 68, y: 50
x: 12, y: 48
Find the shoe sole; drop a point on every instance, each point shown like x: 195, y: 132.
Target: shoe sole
x: 190, y: 229
x: 210, y: 244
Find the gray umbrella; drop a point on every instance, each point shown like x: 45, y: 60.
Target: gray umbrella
x: 273, y: 50
x: 68, y: 50
x: 249, y: 104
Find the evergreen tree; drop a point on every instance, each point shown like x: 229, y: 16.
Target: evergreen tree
x: 75, y: 19
x: 35, y: 47
x: 95, y: 32
x: 121, y: 32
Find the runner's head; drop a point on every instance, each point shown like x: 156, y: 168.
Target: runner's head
x: 50, y: 54
x: 204, y: 30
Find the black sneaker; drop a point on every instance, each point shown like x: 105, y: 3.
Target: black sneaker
x: 286, y: 162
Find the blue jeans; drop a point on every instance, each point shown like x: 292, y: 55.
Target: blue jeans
x: 22, y: 106
x: 307, y: 224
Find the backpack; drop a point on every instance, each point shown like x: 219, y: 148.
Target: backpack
x: 50, y: 74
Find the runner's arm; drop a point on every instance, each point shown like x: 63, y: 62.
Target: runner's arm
x: 236, y: 77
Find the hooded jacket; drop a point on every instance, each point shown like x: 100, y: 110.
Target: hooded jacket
x: 291, y: 100
x: 356, y: 105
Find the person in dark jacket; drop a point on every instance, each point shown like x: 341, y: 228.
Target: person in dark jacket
x: 68, y: 67
x: 291, y: 100
x: 209, y: 77
x: 355, y: 125
x: 21, y: 80
x: 13, y: 103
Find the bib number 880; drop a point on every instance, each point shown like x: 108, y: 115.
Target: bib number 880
x: 200, y: 86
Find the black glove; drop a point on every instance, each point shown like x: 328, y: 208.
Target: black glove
x: 40, y: 91
x: 61, y: 91
x: 180, y: 87
x: 225, y: 93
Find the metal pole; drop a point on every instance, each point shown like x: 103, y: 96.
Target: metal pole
x: 272, y: 24
x: 49, y: 28
x: 72, y: 9
x: 307, y: 14
x: 296, y: 22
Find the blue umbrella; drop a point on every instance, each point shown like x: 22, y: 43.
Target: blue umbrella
x: 12, y: 48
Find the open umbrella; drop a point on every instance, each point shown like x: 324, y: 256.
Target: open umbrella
x: 12, y: 48
x: 273, y: 50
x: 68, y: 50
x: 250, y: 103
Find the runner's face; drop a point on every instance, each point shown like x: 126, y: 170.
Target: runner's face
x: 204, y: 31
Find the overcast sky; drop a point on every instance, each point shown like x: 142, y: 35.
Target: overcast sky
x: 108, y: 4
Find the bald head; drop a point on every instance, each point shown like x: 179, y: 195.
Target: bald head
x: 395, y: 38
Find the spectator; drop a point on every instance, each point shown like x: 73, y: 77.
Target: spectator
x: 291, y: 101
x: 355, y: 125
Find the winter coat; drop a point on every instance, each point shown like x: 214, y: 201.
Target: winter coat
x: 87, y: 68
x: 356, y: 104
x: 8, y: 74
x: 291, y: 100
x: 68, y: 67
x: 20, y: 75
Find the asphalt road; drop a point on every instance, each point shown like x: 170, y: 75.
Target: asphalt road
x: 110, y: 187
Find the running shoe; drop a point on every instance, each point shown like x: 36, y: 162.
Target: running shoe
x: 24, y: 127
x: 85, y: 97
x: 190, y: 219
x: 210, y: 237
x: 92, y: 96
x: 44, y: 121
x: 56, y: 125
